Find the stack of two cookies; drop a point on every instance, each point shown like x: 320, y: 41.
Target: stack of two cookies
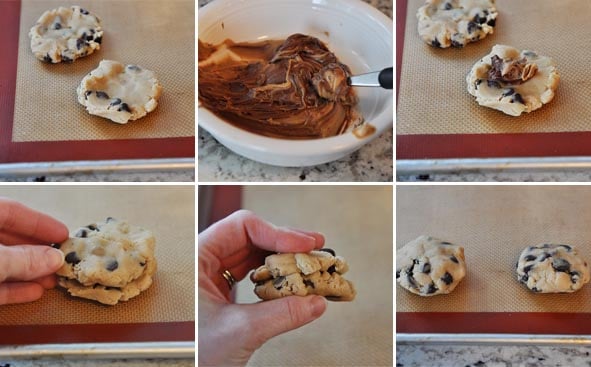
x: 301, y: 274
x: 108, y: 262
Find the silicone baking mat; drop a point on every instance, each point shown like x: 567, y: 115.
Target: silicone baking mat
x: 41, y: 119
x: 494, y: 224
x: 357, y: 224
x: 165, y: 311
x: 438, y: 118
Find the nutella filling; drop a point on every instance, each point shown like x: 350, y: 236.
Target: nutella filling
x: 291, y: 89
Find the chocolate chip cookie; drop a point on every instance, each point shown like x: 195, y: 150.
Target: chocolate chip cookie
x: 513, y: 81
x: 317, y: 272
x: 65, y: 34
x: 445, y: 23
x: 428, y: 266
x: 108, y: 262
x: 549, y: 268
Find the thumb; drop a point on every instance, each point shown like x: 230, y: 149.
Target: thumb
x: 271, y: 318
x: 28, y: 262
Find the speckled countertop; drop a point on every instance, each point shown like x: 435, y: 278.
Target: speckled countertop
x: 540, y: 176
x: 491, y: 356
x: 371, y: 163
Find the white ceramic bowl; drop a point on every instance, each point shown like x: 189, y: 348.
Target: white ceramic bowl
x: 359, y: 35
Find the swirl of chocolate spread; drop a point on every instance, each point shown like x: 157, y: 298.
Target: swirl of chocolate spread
x: 292, y: 89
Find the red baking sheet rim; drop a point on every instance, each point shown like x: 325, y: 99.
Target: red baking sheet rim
x: 11, y: 152
x: 97, y: 333
x: 494, y: 322
x: 433, y: 146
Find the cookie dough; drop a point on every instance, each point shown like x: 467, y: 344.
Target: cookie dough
x: 65, y: 34
x: 108, y: 262
x: 317, y: 272
x: 428, y: 266
x: 513, y: 81
x: 120, y: 93
x: 445, y: 23
x: 549, y: 268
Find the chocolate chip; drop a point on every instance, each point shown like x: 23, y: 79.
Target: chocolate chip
x: 447, y: 278
x: 397, y: 274
x: 84, y: 11
x: 517, y: 98
x: 491, y: 22
x: 57, y: 26
x: 524, y: 278
x: 278, y: 282
x: 109, y: 219
x: 81, y: 42
x: 82, y: 233
x: 72, y: 258
x: 90, y: 37
x: 426, y: 268
x: 329, y: 250
x: 478, y: 19
x: 56, y: 245
x: 457, y: 44
x: 103, y: 95
x: 47, y: 58
x: 331, y: 269
x: 477, y: 83
x: 448, y: 6
x: 527, y: 269
x: 112, y: 265
x: 115, y: 102
x: 124, y: 107
x: 535, y: 289
x: 92, y: 227
x: 87, y: 93
x: 560, y: 265
x: 453, y: 258
x: 308, y: 283
x: 508, y: 92
x: 143, y: 264
x: 567, y: 247
x: 493, y: 84
x: 472, y: 27
x: 529, y: 258
x: 432, y: 289
x: 134, y: 67
x: 98, y: 39
x: 66, y: 59
x: 435, y: 43
x: 446, y: 243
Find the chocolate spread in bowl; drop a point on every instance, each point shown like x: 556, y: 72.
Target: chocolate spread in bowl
x: 291, y: 89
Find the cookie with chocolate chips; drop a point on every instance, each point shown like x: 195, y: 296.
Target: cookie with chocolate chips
x: 120, y: 93
x: 428, y: 266
x: 455, y: 23
x: 550, y: 268
x: 65, y: 34
x: 317, y: 272
x: 513, y: 81
x: 109, y: 262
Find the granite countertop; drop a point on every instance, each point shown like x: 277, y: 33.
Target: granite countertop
x: 156, y: 176
x: 372, y: 163
x: 491, y: 356
x: 539, y: 176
